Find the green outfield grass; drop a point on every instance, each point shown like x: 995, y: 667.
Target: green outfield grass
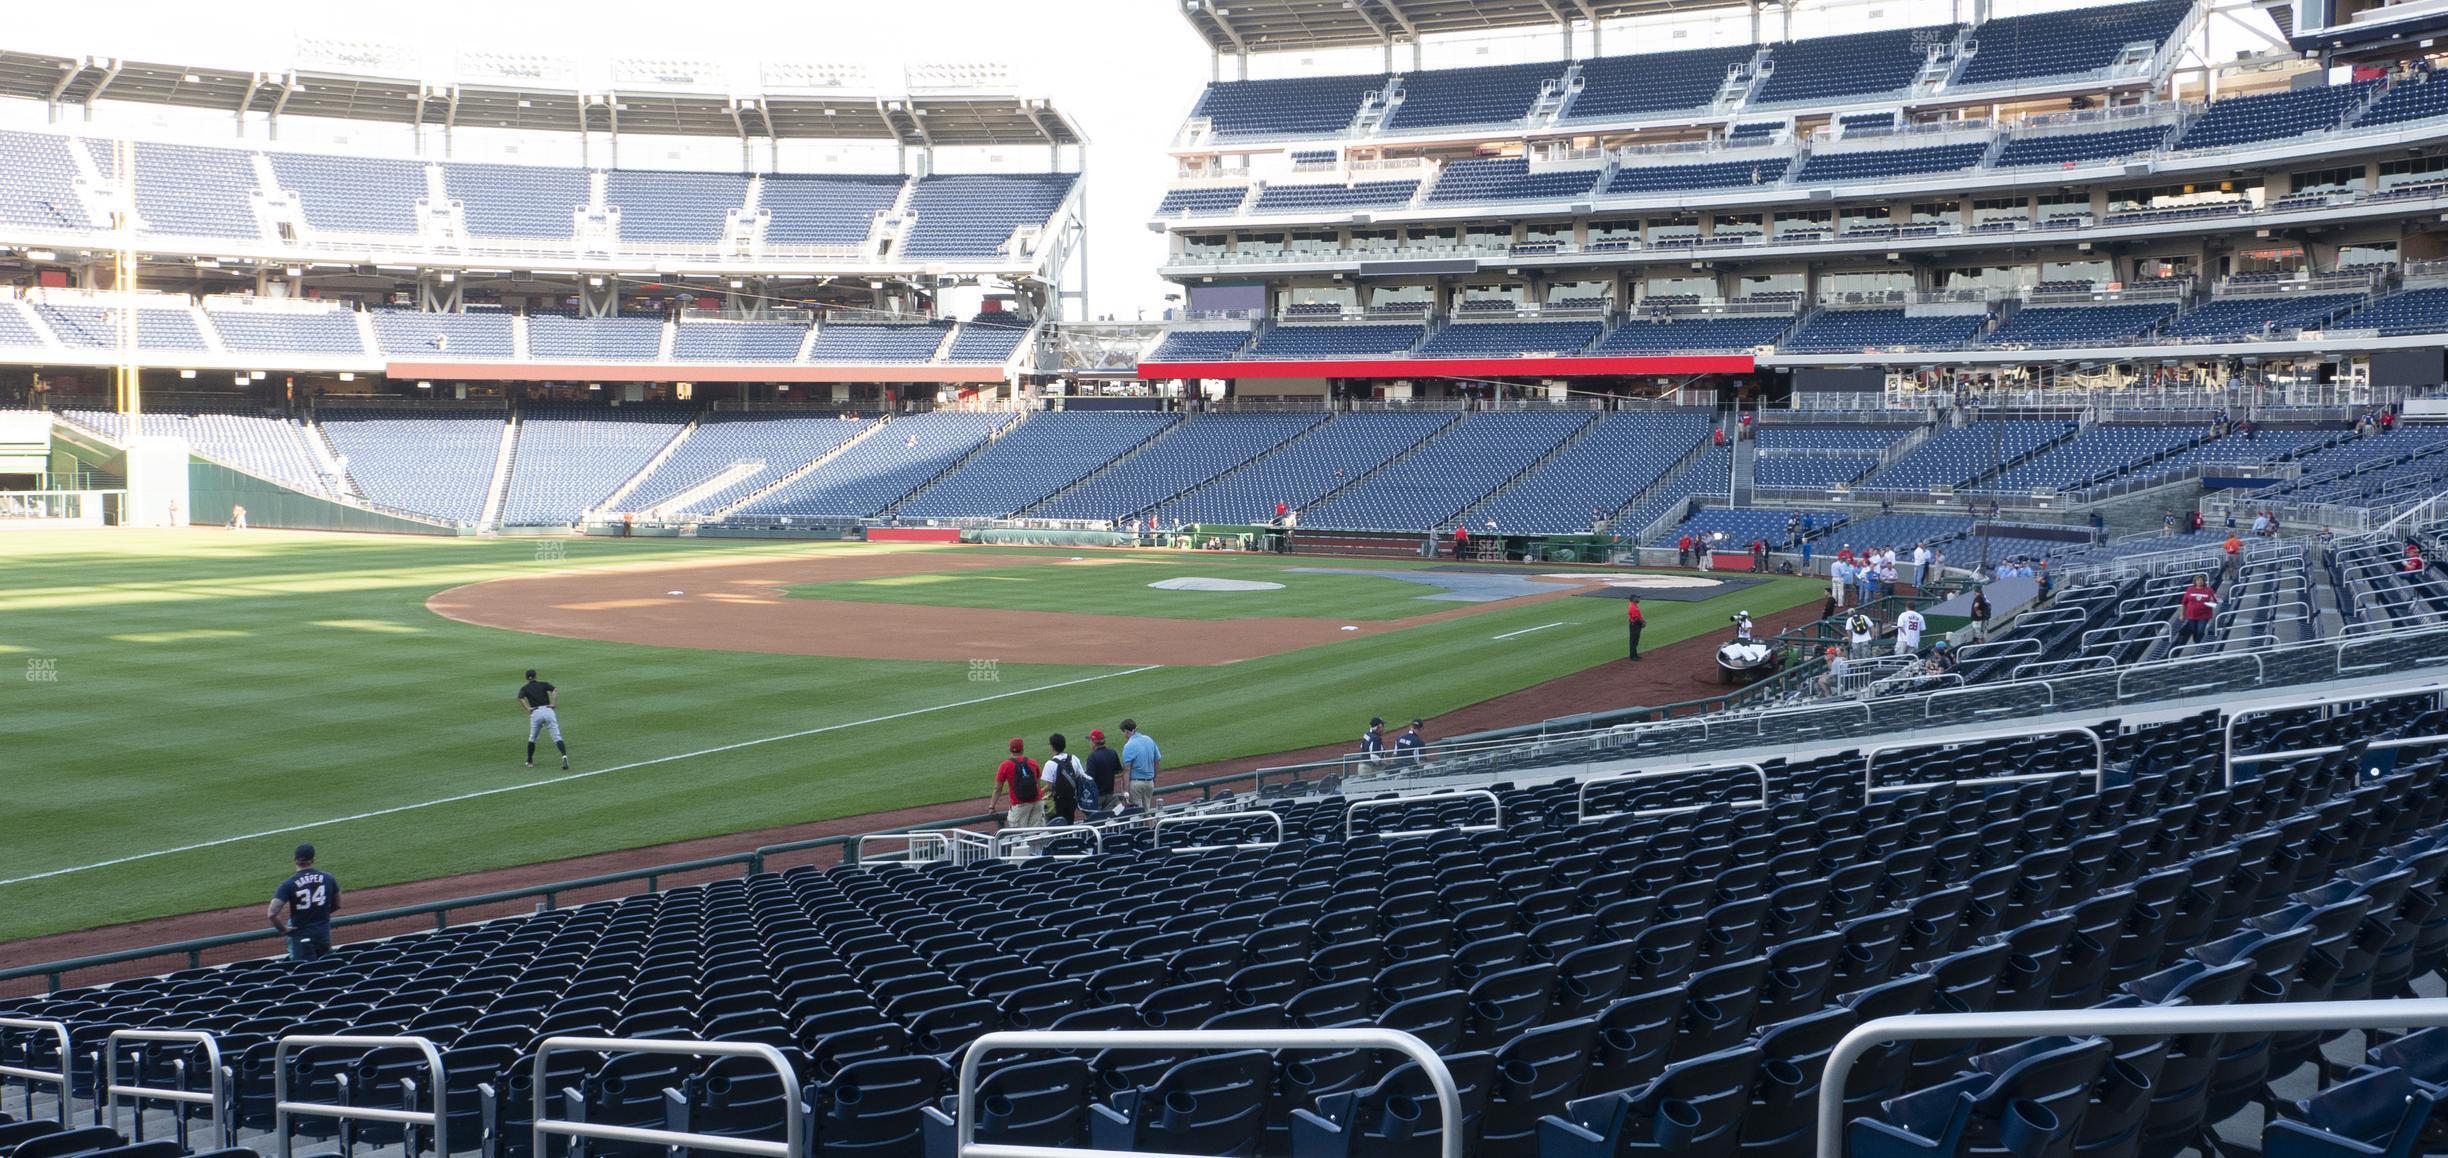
x: 1121, y: 588
x: 184, y: 689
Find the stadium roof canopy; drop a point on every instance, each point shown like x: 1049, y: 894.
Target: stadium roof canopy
x: 1286, y: 25
x: 921, y: 117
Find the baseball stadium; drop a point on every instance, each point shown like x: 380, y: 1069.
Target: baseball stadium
x: 1564, y: 578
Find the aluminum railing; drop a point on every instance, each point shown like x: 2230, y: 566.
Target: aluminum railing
x: 31, y: 1077
x: 964, y: 1138
x: 956, y: 845
x: 1351, y: 813
x: 1582, y: 813
x: 794, y: 1121
x: 1156, y: 831
x: 214, y: 1098
x: 436, y: 1119
x: 2098, y: 770
x: 1012, y: 838
x: 2421, y: 1013
x: 2438, y: 693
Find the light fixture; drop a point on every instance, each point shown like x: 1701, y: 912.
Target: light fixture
x: 257, y: 375
x: 242, y: 378
x: 41, y: 255
x: 348, y: 375
x: 737, y: 283
x: 594, y: 385
x: 448, y: 278
x: 187, y: 374
x: 295, y: 271
x: 595, y: 281
x: 424, y: 385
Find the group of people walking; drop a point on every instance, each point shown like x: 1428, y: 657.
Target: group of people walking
x: 1068, y: 787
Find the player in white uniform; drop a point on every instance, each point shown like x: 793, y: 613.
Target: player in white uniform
x: 540, y: 698
x: 1908, y: 632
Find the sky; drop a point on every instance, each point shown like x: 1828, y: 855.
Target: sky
x: 1126, y: 71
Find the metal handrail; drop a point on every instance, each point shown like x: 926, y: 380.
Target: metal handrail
x: 2228, y: 759
x: 964, y: 1138
x: 1156, y: 830
x: 2098, y: 768
x: 1929, y: 703
x: 31, y: 1076
x: 437, y: 1119
x: 1013, y: 836
x: 794, y: 1122
x: 1352, y: 811
x: 2260, y: 670
x: 223, y: 1133
x: 2407, y: 1013
x: 1584, y: 815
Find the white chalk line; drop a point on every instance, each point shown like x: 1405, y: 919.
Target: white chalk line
x: 1507, y: 635
x: 548, y: 782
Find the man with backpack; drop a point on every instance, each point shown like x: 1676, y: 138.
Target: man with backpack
x: 1074, y: 792
x: 1019, y: 789
x: 1862, y: 632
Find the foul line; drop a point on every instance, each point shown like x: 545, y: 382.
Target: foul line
x: 506, y: 788
x: 1507, y: 635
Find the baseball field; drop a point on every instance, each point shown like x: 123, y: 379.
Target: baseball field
x: 193, y: 703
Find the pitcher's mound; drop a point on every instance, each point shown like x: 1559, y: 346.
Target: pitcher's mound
x: 1194, y: 583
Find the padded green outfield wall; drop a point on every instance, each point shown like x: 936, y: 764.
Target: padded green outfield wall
x: 213, y: 489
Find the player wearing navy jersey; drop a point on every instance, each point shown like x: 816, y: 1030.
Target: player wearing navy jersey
x: 541, y: 699
x: 302, y: 907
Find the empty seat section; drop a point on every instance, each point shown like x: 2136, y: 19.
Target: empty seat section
x: 516, y: 200
x: 1463, y: 464
x: 1847, y: 331
x: 1046, y: 452
x: 188, y: 191
x: 989, y: 340
x: 825, y: 208
x: 571, y: 456
x: 755, y: 449
x: 414, y: 334
x: 1201, y: 448
x: 1199, y: 346
x: 1212, y: 201
x: 1298, y: 473
x: 1704, y: 333
x: 1965, y: 453
x: 1871, y: 164
x: 2080, y: 325
x: 618, y: 339
x: 1508, y: 339
x: 353, y: 194
x: 1509, y: 179
x: 1327, y: 341
x: 2073, y: 148
x: 2098, y: 453
x: 437, y: 463
x: 2242, y: 317
x: 1358, y: 195
x: 660, y: 205
x: 881, y: 469
x: 1859, y: 65
x: 1306, y: 106
x: 97, y: 327
x: 1614, y: 87
x: 714, y: 341
x: 40, y: 186
x: 1625, y: 453
x: 2272, y: 116
x: 282, y: 331
x: 1470, y: 96
x: 2055, y: 44
x: 973, y: 216
x: 883, y: 343
x: 2414, y: 98
x: 241, y: 436
x: 1633, y: 178
x: 2414, y: 311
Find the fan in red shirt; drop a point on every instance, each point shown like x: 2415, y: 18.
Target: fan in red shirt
x: 1635, y: 622
x: 1020, y: 784
x: 2195, y: 610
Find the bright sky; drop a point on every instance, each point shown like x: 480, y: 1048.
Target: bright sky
x: 1126, y: 71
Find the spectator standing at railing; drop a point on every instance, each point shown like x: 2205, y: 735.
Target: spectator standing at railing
x: 1074, y: 792
x: 1921, y: 562
x: 2194, y: 610
x: 2260, y: 524
x: 1806, y: 556
x: 1104, y: 765
x: 1840, y: 576
x: 1141, y: 758
x: 1373, y: 745
x: 1019, y: 788
x: 2234, y: 547
x: 1981, y: 610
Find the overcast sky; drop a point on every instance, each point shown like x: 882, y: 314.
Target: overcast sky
x: 1127, y: 71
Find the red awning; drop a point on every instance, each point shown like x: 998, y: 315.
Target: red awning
x: 1667, y: 365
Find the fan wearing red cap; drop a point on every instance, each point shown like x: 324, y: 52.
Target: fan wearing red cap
x: 1019, y: 790
x: 1104, y: 766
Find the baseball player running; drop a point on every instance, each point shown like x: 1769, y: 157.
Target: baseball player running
x: 540, y: 698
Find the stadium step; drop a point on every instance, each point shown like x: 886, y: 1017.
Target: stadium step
x: 497, y: 492
x: 801, y: 471
x: 612, y: 501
